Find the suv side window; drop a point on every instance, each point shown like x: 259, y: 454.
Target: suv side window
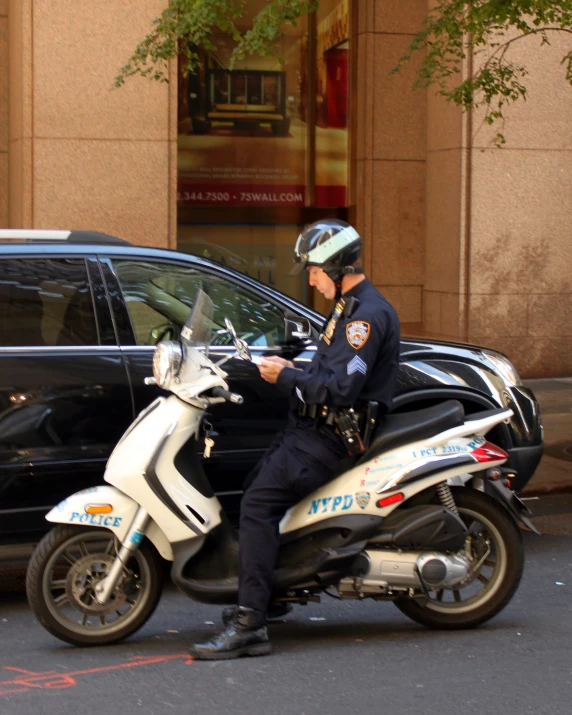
x: 160, y: 297
x: 45, y: 302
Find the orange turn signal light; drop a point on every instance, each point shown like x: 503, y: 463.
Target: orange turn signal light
x: 393, y: 499
x: 98, y: 509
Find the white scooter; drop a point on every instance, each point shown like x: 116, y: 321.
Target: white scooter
x: 423, y: 518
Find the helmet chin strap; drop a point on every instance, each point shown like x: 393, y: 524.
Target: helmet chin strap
x: 338, y: 275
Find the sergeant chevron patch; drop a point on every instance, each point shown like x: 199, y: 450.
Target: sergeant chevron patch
x: 356, y: 364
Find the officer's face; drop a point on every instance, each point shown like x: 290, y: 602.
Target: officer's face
x: 320, y: 281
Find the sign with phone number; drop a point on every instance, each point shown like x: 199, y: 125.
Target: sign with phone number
x: 241, y: 195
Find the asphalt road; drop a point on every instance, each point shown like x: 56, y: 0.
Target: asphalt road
x: 333, y: 658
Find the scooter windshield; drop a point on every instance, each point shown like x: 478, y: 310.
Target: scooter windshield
x: 196, y: 332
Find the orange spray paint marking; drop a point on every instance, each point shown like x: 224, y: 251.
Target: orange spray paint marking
x: 27, y: 680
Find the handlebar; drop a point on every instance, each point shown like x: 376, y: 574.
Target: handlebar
x: 230, y: 396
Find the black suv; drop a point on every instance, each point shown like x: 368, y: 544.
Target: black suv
x: 80, y: 314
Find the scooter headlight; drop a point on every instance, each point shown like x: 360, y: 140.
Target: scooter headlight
x: 166, y: 362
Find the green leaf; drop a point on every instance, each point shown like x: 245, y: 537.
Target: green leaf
x: 457, y: 29
x: 188, y: 24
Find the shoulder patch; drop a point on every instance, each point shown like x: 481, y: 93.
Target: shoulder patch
x: 357, y: 333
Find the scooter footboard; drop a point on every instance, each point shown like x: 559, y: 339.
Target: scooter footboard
x: 116, y: 513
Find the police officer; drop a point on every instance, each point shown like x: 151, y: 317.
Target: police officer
x: 356, y: 362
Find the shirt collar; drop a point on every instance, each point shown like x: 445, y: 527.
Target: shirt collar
x: 357, y: 289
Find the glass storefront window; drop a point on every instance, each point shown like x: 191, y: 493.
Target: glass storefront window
x: 264, y: 147
x: 261, y: 252
x: 242, y: 141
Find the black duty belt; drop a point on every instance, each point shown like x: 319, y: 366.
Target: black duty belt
x: 355, y: 427
x: 321, y: 413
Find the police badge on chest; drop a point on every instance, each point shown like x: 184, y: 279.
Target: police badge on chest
x: 344, y: 307
x: 328, y: 333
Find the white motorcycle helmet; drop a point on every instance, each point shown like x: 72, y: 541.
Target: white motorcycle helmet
x: 332, y: 245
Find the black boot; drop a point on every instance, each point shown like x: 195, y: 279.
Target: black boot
x: 275, y: 612
x: 245, y: 635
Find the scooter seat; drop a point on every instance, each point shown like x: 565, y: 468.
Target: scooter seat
x: 396, y: 430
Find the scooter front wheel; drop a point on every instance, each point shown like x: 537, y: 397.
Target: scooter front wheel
x: 60, y: 582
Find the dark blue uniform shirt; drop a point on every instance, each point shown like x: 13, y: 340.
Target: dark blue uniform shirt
x: 360, y: 364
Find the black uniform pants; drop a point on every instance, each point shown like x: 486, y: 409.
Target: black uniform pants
x: 299, y: 461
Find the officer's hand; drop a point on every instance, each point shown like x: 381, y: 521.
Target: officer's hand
x: 279, y: 361
x: 271, y: 367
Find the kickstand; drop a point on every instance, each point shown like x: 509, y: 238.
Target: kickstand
x: 422, y: 582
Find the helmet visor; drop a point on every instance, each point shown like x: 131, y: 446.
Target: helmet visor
x: 298, y: 267
x: 299, y: 262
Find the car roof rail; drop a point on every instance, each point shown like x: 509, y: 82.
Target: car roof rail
x: 40, y: 236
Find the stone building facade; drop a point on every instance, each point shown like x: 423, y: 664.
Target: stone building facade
x: 469, y: 242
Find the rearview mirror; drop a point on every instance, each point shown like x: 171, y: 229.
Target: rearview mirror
x: 297, y: 328
x: 240, y: 345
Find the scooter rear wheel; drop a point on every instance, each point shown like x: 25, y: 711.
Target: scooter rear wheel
x: 60, y: 581
x: 496, y: 542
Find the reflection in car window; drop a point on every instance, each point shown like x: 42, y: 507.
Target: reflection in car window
x: 160, y: 298
x: 45, y: 302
